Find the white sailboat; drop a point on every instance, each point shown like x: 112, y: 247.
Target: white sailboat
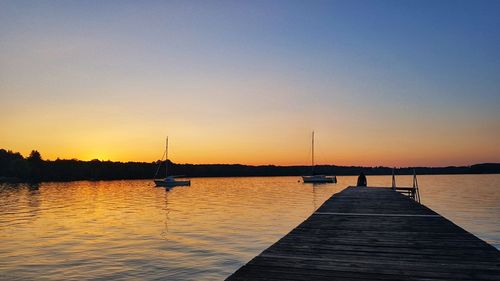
x: 317, y: 178
x: 169, y: 181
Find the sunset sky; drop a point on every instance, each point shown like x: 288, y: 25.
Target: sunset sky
x: 393, y: 83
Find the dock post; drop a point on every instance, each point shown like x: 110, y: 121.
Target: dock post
x: 393, y: 180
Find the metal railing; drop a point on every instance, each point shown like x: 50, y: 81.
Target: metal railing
x: 411, y: 192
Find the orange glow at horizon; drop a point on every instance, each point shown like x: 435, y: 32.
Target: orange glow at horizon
x: 117, y: 133
x: 289, y: 148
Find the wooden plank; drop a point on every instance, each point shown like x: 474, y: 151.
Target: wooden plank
x: 374, y: 234
x: 374, y: 214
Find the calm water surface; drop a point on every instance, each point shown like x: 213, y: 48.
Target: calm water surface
x: 125, y: 230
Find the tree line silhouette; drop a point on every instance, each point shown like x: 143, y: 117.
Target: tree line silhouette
x: 15, y: 167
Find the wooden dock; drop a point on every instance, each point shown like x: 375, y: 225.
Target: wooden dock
x: 374, y: 234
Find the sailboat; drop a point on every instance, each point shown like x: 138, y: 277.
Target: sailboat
x: 169, y: 181
x: 317, y: 178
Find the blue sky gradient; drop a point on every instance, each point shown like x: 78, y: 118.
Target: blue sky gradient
x: 382, y: 82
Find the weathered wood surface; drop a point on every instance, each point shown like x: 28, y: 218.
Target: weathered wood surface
x: 374, y: 234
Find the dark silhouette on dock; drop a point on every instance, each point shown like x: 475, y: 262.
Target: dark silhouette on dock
x: 361, y: 180
x: 15, y: 167
x: 374, y: 234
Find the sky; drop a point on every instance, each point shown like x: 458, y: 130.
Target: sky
x: 393, y: 83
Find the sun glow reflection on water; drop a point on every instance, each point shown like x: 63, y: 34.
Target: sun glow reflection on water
x: 133, y: 230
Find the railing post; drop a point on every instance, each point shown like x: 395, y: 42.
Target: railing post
x: 415, y: 187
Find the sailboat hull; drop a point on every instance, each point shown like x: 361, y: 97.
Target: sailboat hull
x: 319, y: 179
x: 164, y: 183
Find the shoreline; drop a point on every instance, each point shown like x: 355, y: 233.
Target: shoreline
x: 16, y: 168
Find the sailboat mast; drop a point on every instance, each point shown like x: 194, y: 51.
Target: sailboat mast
x: 312, y: 154
x: 166, y: 158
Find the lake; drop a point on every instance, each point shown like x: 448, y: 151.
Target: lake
x: 124, y: 230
